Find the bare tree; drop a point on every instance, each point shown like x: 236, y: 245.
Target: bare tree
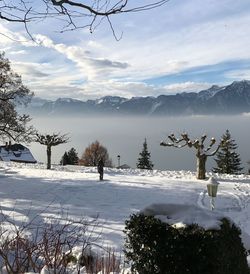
x: 95, y: 152
x: 201, y: 152
x: 49, y: 141
x: 72, y: 14
x: 13, y: 92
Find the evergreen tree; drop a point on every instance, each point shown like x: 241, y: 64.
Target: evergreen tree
x: 65, y: 159
x: 228, y: 161
x: 144, y: 158
x: 73, y: 157
x: 70, y: 158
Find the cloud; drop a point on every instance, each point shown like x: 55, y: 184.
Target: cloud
x: 17, y: 52
x: 178, y: 50
x: 59, y: 91
x: 105, y: 63
x: 91, y: 67
x: 243, y: 74
x: 29, y: 69
x: 132, y: 89
x: 94, y: 44
x: 186, y: 87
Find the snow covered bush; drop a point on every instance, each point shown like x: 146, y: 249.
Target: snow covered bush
x: 153, y: 246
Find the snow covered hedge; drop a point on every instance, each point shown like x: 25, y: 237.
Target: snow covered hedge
x: 154, y: 246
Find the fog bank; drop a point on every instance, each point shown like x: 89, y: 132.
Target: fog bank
x: 124, y: 136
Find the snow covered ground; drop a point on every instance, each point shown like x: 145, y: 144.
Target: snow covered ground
x: 30, y: 190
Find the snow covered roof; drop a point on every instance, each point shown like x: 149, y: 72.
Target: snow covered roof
x: 16, y: 153
x: 124, y: 166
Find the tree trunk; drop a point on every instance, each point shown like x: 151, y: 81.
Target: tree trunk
x: 201, y: 167
x: 48, y: 157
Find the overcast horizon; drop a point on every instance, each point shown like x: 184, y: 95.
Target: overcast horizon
x: 178, y: 47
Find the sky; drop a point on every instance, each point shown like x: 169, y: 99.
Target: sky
x: 183, y: 46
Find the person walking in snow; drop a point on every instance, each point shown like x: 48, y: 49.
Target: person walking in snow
x: 100, y: 168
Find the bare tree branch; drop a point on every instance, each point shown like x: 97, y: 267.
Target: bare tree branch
x: 198, y: 145
x: 75, y: 13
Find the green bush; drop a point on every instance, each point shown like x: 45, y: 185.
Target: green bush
x: 154, y: 247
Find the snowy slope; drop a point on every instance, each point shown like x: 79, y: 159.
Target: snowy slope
x: 26, y: 190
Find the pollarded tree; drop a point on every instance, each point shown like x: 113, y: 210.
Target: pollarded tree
x: 144, y: 161
x: 13, y: 92
x: 228, y: 161
x: 71, y: 14
x: 49, y: 141
x: 94, y: 153
x: 201, y: 152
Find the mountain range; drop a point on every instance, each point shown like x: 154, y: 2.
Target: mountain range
x: 230, y: 99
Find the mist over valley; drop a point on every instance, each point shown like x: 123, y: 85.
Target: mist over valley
x: 124, y: 136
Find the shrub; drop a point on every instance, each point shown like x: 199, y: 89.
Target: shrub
x: 156, y: 247
x: 60, y: 245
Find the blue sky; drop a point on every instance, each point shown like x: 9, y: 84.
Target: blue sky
x: 182, y: 46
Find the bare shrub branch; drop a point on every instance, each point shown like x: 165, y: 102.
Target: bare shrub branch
x: 52, y: 245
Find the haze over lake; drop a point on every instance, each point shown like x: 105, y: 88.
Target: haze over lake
x: 124, y: 136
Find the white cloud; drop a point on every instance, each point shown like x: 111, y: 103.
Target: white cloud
x: 132, y: 89
x: 94, y: 44
x: 239, y: 74
x: 31, y: 69
x: 186, y: 87
x: 172, y: 41
x: 91, y: 67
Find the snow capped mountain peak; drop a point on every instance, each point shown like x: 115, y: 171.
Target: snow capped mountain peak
x: 240, y: 88
x: 66, y: 100
x: 208, y: 93
x: 241, y: 83
x: 216, y: 99
x: 111, y: 100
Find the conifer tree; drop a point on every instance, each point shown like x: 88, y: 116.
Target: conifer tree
x: 65, y: 159
x: 73, y: 157
x: 228, y: 161
x: 70, y: 158
x: 144, y: 158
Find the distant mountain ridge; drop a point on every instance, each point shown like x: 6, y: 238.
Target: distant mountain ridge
x: 231, y: 99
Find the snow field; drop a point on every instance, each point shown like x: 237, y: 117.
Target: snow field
x: 73, y: 191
